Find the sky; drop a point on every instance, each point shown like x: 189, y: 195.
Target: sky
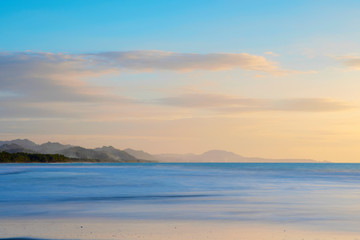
x: 273, y: 79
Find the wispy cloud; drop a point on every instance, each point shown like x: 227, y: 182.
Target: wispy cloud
x: 271, y: 54
x: 47, y: 77
x: 353, y: 62
x: 50, y: 85
x: 233, y: 104
x: 54, y: 77
x: 173, y: 61
x: 37, y: 84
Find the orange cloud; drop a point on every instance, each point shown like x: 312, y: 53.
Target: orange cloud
x: 233, y: 104
x: 352, y: 62
x: 272, y: 54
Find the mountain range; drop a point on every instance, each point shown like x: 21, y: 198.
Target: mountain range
x: 108, y: 154
x: 223, y: 156
x: 112, y: 154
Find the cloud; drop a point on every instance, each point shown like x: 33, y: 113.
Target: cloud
x: 52, y: 77
x: 200, y: 100
x: 46, y: 77
x: 39, y: 84
x: 59, y: 77
x: 351, y: 62
x: 309, y: 105
x: 271, y: 54
x: 51, y: 85
x: 161, y: 60
x: 232, y: 104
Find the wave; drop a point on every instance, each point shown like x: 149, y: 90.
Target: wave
x: 137, y: 197
x: 12, y: 173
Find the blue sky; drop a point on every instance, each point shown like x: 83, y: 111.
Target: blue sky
x: 196, y: 26
x: 275, y: 79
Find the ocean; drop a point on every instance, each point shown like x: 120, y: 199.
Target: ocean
x: 315, y: 195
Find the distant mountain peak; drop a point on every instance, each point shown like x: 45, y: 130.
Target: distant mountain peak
x: 14, y: 148
x: 52, y: 143
x: 220, y: 156
x: 108, y: 147
x: 216, y: 151
x: 117, y: 154
x: 24, y: 142
x: 140, y: 154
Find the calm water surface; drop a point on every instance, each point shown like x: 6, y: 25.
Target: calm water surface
x: 323, y: 195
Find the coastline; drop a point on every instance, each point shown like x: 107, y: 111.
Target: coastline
x: 65, y: 228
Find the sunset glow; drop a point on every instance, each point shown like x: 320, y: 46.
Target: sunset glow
x: 274, y: 79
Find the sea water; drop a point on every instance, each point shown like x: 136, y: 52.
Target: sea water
x: 321, y: 195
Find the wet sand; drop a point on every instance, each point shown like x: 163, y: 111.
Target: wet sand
x: 159, y: 230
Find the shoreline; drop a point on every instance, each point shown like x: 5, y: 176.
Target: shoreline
x: 73, y: 228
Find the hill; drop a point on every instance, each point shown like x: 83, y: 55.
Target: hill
x: 14, y: 148
x: 75, y: 153
x: 50, y: 147
x: 117, y: 154
x: 222, y: 156
x: 141, y: 154
x: 25, y: 143
x: 111, y: 154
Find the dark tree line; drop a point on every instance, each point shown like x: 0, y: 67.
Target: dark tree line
x: 21, y: 157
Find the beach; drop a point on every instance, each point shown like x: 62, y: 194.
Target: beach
x: 103, y: 229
